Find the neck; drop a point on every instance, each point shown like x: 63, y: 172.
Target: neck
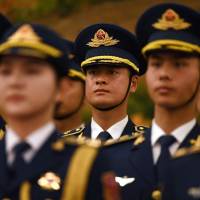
x: 24, y: 126
x: 106, y: 119
x: 170, y: 119
x: 72, y: 122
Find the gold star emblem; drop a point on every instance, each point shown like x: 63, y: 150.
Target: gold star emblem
x: 171, y: 19
x: 101, y: 38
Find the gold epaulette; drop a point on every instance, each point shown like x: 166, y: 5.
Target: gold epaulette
x: 122, y: 139
x: 194, y: 148
x: 76, y: 131
x: 60, y: 144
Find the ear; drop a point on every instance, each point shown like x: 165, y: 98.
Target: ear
x: 134, y: 83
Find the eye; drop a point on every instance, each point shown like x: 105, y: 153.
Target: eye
x: 155, y: 63
x: 5, y: 70
x: 91, y: 72
x: 180, y: 63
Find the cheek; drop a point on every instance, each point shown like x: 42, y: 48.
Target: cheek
x: 88, y: 87
x: 43, y: 89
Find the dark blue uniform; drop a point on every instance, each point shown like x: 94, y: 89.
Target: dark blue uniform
x: 50, y: 174
x: 183, y: 180
x: 46, y: 160
x: 129, y: 129
x: 133, y: 159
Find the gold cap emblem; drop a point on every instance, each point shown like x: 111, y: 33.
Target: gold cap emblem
x: 50, y: 181
x: 171, y: 19
x: 101, y: 37
x: 24, y: 33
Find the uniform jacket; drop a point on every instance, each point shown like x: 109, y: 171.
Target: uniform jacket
x: 133, y: 159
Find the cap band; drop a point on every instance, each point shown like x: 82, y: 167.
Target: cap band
x: 171, y: 44
x: 109, y: 59
x: 47, y: 49
x: 73, y: 73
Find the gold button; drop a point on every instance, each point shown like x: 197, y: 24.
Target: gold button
x: 156, y: 195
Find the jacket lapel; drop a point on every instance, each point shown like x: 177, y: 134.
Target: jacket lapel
x: 142, y: 159
x: 192, y: 135
x: 129, y: 128
x: 87, y: 130
x: 41, y: 162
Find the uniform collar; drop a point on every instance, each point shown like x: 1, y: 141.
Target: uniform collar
x: 35, y: 139
x: 115, y: 130
x: 179, y: 133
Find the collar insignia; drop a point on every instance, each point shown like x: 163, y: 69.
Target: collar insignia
x: 24, y: 33
x: 49, y: 181
x: 101, y: 37
x: 171, y: 19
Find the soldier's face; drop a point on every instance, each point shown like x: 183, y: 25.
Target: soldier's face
x: 171, y: 79
x: 28, y: 87
x: 107, y: 86
x: 70, y: 97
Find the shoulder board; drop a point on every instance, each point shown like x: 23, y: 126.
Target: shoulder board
x: 60, y: 144
x: 186, y: 151
x: 76, y: 131
x: 194, y: 148
x: 122, y: 139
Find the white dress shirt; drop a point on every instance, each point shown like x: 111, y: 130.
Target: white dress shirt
x: 179, y: 133
x: 115, y: 130
x: 36, y: 139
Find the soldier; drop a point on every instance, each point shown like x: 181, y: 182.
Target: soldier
x: 31, y: 69
x: 169, y: 38
x: 5, y: 25
x: 110, y: 58
x: 71, y: 98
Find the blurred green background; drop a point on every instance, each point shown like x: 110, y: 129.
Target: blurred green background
x: 68, y: 17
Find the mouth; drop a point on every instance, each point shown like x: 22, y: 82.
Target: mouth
x: 15, y: 98
x: 101, y: 91
x: 163, y: 90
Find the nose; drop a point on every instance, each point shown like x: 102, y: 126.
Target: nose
x: 101, y: 79
x: 16, y: 80
x: 165, y: 72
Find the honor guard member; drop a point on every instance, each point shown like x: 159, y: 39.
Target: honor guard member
x: 71, y: 97
x: 34, y: 162
x: 110, y: 58
x: 169, y: 38
x: 5, y: 25
x: 183, y: 174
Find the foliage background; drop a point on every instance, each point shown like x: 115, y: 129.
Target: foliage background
x: 68, y: 17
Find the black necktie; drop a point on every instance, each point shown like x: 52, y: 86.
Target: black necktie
x: 18, y: 164
x: 163, y: 161
x: 103, y: 136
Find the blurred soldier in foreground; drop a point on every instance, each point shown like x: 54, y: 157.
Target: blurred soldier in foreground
x: 5, y: 25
